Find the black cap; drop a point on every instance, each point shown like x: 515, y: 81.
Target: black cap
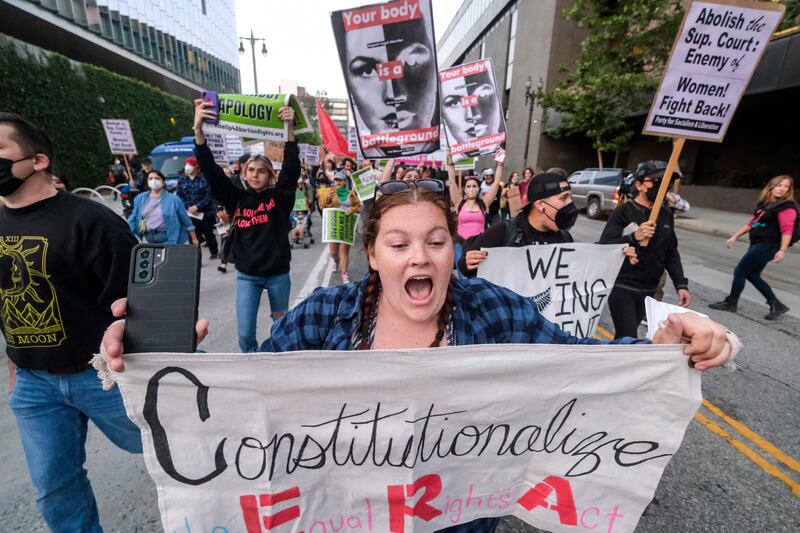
x: 650, y: 169
x: 545, y: 185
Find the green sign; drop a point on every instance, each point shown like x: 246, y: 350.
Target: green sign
x: 300, y: 203
x: 364, y: 182
x: 256, y: 117
x: 338, y: 226
x: 465, y: 164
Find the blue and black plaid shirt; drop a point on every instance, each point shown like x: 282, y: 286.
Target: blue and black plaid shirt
x: 483, y: 313
x: 195, y: 192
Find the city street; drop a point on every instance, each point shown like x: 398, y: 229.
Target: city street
x: 737, y: 470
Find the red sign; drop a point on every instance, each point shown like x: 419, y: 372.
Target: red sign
x: 469, y: 100
x: 380, y: 14
x: 391, y: 70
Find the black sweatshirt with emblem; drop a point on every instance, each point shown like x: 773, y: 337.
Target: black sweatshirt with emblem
x: 63, y: 261
x: 258, y: 243
x: 661, y: 253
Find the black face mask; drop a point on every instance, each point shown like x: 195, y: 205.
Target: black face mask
x: 566, y: 216
x: 9, y: 183
x: 651, y: 193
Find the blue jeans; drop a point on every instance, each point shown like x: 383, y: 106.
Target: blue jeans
x: 248, y: 299
x: 52, y: 414
x: 750, y: 267
x: 155, y: 236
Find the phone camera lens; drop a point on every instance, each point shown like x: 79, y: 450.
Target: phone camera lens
x: 144, y: 264
x: 145, y: 254
x: 142, y: 275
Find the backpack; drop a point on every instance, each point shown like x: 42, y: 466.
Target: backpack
x: 796, y: 227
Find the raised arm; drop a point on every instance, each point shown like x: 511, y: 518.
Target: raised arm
x: 387, y: 171
x: 455, y: 191
x: 221, y: 188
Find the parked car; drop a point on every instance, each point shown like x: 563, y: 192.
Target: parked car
x: 597, y: 190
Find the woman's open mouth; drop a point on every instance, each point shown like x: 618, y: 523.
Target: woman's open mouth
x: 419, y: 289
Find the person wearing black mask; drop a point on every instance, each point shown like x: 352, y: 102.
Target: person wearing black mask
x: 629, y: 224
x: 546, y: 219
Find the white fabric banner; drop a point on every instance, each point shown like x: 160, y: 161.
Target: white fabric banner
x: 564, y: 437
x: 569, y: 282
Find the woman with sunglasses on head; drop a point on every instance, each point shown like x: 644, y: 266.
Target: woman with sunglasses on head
x: 410, y: 299
x: 341, y: 196
x: 258, y: 241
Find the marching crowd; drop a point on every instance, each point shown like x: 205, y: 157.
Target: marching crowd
x: 425, y: 235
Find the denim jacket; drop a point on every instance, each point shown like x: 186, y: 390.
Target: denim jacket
x: 176, y: 218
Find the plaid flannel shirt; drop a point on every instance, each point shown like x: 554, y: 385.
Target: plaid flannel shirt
x: 483, y: 313
x: 195, y: 192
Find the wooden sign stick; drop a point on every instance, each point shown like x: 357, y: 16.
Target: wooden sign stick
x: 128, y: 169
x: 662, y: 190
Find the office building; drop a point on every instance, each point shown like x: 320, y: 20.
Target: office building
x: 180, y: 46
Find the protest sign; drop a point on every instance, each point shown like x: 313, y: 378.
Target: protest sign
x: 471, y: 109
x: 234, y: 147
x: 119, y: 136
x: 570, y: 283
x: 465, y: 164
x: 388, y: 57
x: 364, y: 182
x: 338, y: 226
x: 312, y: 155
x: 256, y: 117
x: 300, y: 203
x: 717, y: 49
x: 218, y: 144
x: 567, y: 438
x: 352, y: 139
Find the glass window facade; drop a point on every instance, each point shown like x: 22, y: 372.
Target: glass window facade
x: 194, y: 39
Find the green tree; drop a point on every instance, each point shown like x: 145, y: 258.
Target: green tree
x: 619, y: 67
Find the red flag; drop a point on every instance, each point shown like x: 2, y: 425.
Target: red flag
x: 332, y: 138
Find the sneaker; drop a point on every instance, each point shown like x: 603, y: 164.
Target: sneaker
x: 345, y: 278
x: 222, y: 268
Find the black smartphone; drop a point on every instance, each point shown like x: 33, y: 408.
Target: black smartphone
x: 211, y: 96
x: 163, y: 295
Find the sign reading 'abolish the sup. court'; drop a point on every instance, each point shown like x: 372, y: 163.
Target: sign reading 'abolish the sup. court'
x: 570, y: 283
x: 567, y: 438
x: 713, y: 58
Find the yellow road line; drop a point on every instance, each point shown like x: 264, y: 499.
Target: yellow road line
x: 769, y: 448
x: 748, y: 452
x: 604, y: 332
x: 754, y: 437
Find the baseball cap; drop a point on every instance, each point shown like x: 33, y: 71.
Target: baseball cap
x: 650, y: 169
x: 545, y: 185
x: 191, y: 161
x: 340, y: 176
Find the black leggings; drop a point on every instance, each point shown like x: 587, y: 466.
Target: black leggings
x: 627, y: 311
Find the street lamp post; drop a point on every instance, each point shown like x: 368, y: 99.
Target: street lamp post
x: 253, y: 48
x: 530, y: 101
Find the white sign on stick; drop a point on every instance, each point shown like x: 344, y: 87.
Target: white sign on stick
x: 713, y: 58
x: 119, y: 136
x: 570, y: 283
x: 565, y: 437
x: 218, y: 144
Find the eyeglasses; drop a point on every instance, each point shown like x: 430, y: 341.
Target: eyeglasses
x: 393, y: 187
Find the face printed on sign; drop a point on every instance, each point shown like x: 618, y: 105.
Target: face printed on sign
x: 470, y: 107
x: 389, y: 64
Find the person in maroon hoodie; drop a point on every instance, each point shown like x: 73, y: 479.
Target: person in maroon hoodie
x: 258, y: 242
